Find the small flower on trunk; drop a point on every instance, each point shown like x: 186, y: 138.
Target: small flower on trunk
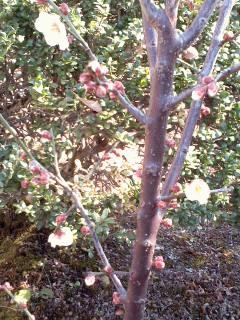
x: 6, y: 286
x: 61, y: 237
x: 108, y: 269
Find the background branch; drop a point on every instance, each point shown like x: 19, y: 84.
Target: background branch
x: 199, y: 23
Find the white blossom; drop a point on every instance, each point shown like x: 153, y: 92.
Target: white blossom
x: 53, y: 29
x: 197, y: 190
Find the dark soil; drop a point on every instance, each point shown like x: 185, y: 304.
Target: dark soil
x: 201, y: 279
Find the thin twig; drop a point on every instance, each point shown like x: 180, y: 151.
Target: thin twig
x: 24, y: 308
x: 77, y: 203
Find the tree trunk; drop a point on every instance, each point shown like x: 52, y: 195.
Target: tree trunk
x: 148, y: 219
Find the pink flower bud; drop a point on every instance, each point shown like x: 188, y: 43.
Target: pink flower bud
x: 174, y: 204
x: 34, y: 168
x: 85, y: 77
x: 61, y: 218
x: 158, y: 263
x: 170, y: 143
x: 90, y: 280
x: 6, y: 286
x: 23, y: 156
x: 161, y: 204
x: 25, y: 184
x: 85, y: 230
x: 116, y: 299
x: 90, y: 86
x: 64, y: 8
x: 207, y: 79
x: 46, y: 136
x: 205, y: 111
x: 42, y: 179
x: 108, y: 269
x: 167, y: 223
x: 119, y: 87
x: 228, y: 36
x: 95, y: 67
x: 190, y: 54
x: 199, y: 93
x: 22, y: 306
x: 112, y: 96
x: 212, y: 89
x: 177, y: 187
x: 101, y: 91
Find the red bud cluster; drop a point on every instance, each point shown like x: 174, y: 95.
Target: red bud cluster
x: 94, y: 81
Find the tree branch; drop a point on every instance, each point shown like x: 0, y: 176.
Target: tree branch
x: 194, y: 111
x: 174, y: 101
x: 150, y: 36
x: 138, y: 114
x: 156, y: 17
x: 171, y: 8
x: 227, y: 72
x: 76, y: 202
x: 198, y: 24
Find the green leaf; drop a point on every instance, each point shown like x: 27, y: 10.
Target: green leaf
x: 23, y: 296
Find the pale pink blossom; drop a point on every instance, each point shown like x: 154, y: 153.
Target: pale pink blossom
x: 61, y: 237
